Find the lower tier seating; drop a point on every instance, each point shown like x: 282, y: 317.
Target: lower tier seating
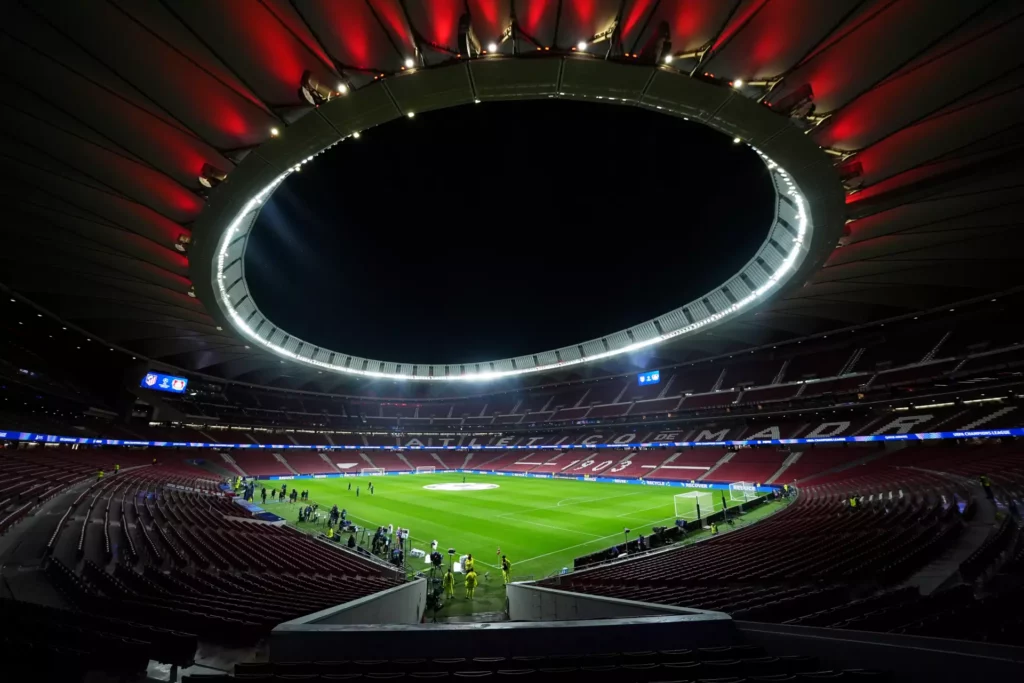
x: 731, y: 663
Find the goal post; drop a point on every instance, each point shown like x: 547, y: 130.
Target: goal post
x: 426, y: 469
x: 742, y: 491
x: 694, y: 505
x: 372, y: 471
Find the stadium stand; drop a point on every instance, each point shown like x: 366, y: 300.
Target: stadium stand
x: 751, y: 465
x: 391, y: 462
x: 260, y: 463
x: 185, y: 561
x: 309, y: 462
x: 422, y: 459
x: 689, y: 464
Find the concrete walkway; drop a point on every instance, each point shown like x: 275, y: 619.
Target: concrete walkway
x: 947, y: 566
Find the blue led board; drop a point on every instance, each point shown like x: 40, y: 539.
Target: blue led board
x: 645, y: 378
x: 161, y: 382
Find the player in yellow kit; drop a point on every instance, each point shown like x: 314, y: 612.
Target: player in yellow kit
x: 506, y: 567
x: 470, y: 584
x: 449, y: 584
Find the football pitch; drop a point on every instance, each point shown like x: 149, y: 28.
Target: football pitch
x: 540, y: 524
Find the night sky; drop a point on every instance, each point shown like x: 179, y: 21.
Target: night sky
x: 494, y: 230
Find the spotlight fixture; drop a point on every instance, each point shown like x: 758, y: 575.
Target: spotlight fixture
x: 411, y: 114
x: 738, y: 83
x: 274, y: 132
x: 668, y: 59
x: 582, y: 45
x: 182, y: 243
x: 477, y: 100
x: 736, y: 141
x: 356, y: 135
x: 342, y: 89
x: 211, y: 176
x: 492, y: 47
x: 409, y: 63
x: 313, y: 91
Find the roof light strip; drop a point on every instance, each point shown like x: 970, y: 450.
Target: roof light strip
x: 778, y: 174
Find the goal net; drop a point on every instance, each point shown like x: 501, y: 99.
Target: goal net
x: 372, y: 470
x: 695, y: 505
x: 426, y: 469
x: 742, y: 491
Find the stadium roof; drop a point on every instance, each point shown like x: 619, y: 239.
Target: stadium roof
x: 113, y: 112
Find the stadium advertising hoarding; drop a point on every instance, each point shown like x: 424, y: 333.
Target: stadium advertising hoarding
x: 161, y: 382
x: 926, y: 436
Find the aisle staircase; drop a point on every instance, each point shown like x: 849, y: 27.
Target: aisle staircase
x: 284, y: 462
x: 793, y: 457
x: 724, y: 459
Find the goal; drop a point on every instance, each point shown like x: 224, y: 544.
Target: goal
x: 742, y: 491
x: 372, y: 470
x: 694, y: 505
x: 426, y: 469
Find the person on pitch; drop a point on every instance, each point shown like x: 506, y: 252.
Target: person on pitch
x: 470, y: 584
x: 506, y: 567
x: 449, y: 584
x: 468, y: 566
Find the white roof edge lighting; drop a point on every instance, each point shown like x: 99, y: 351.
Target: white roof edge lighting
x: 777, y: 259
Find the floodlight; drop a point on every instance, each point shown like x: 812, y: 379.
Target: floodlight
x: 211, y: 176
x: 274, y: 132
x: 356, y: 135
x: 492, y: 47
x: 409, y: 63
x: 582, y: 45
x: 342, y: 89
x: 477, y: 100
x: 738, y: 83
x: 668, y: 59
x: 736, y: 141
x: 411, y: 114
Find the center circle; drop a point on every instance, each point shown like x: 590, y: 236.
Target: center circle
x: 463, y: 234
x: 460, y: 487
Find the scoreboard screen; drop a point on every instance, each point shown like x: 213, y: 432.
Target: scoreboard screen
x: 645, y: 378
x: 161, y: 382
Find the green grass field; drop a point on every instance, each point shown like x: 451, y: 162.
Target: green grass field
x: 540, y: 524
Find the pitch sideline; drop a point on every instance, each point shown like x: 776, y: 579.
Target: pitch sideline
x: 579, y: 545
